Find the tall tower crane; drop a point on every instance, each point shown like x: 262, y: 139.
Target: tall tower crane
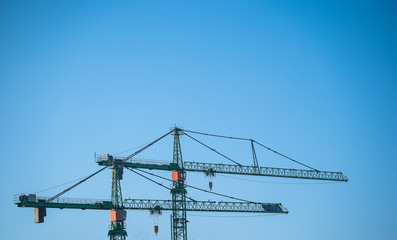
x: 178, y: 204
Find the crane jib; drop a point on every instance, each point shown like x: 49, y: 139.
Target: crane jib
x: 148, y: 204
x: 236, y: 169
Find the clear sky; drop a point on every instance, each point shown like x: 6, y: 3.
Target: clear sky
x: 315, y: 80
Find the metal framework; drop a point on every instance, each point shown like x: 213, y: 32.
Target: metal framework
x: 265, y: 171
x: 150, y: 204
x: 234, y: 169
x: 117, y: 227
x: 178, y: 191
x: 178, y: 205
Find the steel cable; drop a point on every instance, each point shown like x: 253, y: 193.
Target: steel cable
x: 260, y: 144
x: 213, y: 149
x: 70, y: 188
x: 219, y: 194
x: 150, y: 144
x: 60, y: 185
x: 160, y: 184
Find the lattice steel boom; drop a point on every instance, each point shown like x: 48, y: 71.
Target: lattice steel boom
x: 233, y: 169
x: 148, y: 204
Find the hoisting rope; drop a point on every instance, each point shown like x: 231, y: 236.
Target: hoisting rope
x: 249, y: 139
x: 219, y: 194
x: 160, y: 184
x: 213, y: 149
x: 70, y: 188
x: 150, y: 144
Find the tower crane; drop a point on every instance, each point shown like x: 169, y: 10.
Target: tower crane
x: 180, y: 203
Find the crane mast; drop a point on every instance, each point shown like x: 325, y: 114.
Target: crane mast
x: 117, y: 214
x: 178, y: 191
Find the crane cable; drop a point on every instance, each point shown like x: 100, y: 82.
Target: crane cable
x: 160, y: 184
x: 60, y: 185
x: 214, y: 135
x: 219, y: 194
x: 130, y: 149
x: 150, y: 144
x: 248, y: 139
x: 213, y: 149
x: 285, y: 156
x: 70, y: 188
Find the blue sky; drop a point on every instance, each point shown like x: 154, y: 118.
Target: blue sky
x: 314, y: 80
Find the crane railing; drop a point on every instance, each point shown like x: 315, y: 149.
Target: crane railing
x: 19, y: 198
x: 30, y: 200
x: 105, y: 157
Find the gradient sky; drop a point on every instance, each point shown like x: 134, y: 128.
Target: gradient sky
x: 315, y: 80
